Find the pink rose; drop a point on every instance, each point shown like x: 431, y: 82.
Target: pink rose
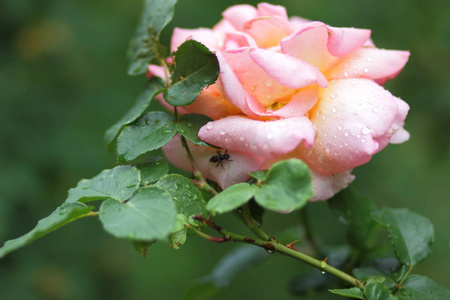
x: 287, y: 88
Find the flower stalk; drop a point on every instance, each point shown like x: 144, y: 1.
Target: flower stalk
x: 272, y: 246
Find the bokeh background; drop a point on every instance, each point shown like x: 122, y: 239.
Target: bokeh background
x: 63, y: 82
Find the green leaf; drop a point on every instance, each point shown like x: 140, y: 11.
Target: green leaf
x: 353, y: 292
x: 179, y: 233
x: 154, y: 169
x: 354, y: 211
x: 142, y: 103
x: 231, y: 198
x: 417, y: 287
x: 375, y: 290
x: 195, y: 68
x: 236, y: 262
x: 63, y: 215
x: 144, y: 46
x: 367, y: 272
x: 142, y: 246
x: 151, y: 131
x: 258, y: 175
x: 286, y: 187
x: 411, y: 234
x: 189, y: 126
x: 118, y: 183
x: 187, y: 197
x: 149, y: 215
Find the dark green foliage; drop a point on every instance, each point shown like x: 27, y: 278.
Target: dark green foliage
x: 195, y: 69
x: 149, y: 215
x: 151, y: 131
x: 411, y: 234
x: 63, y: 215
x: 145, y: 46
x: 118, y: 183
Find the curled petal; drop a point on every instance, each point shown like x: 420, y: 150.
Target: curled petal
x: 399, y: 134
x: 320, y: 44
x: 237, y: 39
x: 343, y: 41
x: 354, y: 120
x: 287, y: 70
x: 377, y: 64
x: 237, y: 15
x: 268, y: 139
x: 326, y: 186
x: 233, y: 89
x: 203, y: 35
x: 308, y: 43
x: 253, y: 79
x: 230, y: 172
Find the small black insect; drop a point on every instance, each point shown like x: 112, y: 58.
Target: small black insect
x: 219, y: 158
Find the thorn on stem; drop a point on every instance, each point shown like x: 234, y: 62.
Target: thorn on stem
x: 291, y: 245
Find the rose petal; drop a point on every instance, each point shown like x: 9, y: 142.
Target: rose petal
x: 236, y: 40
x: 298, y: 105
x: 343, y: 41
x: 320, y: 44
x: 297, y: 21
x: 231, y: 171
x: 266, y: 9
x: 212, y: 104
x: 371, y: 63
x: 268, y: 31
x: 326, y: 186
x: 255, y: 80
x: 237, y: 15
x: 309, y: 43
x: 353, y: 118
x: 203, y: 35
x: 267, y: 139
x: 154, y: 70
x: 233, y: 89
x: 287, y: 70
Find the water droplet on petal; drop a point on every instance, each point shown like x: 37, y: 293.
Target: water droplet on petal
x: 375, y: 109
x: 347, y: 132
x: 282, y: 124
x: 366, y: 70
x: 369, y: 59
x: 265, y: 145
x: 241, y: 138
x: 345, y: 74
x: 328, y: 148
x: 222, y: 132
x: 365, y: 130
x: 269, y: 135
x: 333, y: 96
x: 335, y: 109
x: 340, y: 127
x: 210, y: 125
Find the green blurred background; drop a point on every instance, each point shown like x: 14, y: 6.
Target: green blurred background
x: 63, y: 82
